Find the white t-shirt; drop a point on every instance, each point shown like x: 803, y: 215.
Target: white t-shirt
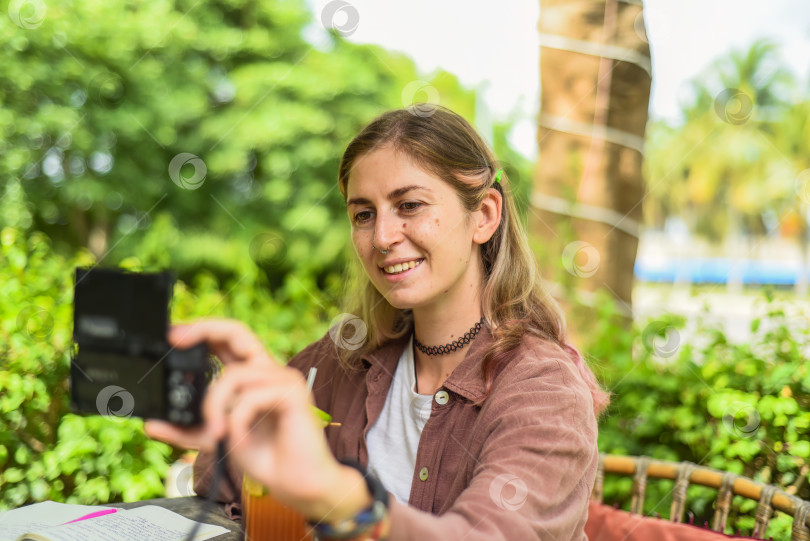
x: 393, y: 440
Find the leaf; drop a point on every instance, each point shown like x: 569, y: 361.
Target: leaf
x: 13, y: 475
x: 800, y: 449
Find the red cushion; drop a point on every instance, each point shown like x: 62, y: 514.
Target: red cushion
x: 608, y: 524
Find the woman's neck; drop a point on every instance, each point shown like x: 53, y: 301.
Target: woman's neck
x: 432, y: 371
x: 438, y: 329
x: 452, y: 313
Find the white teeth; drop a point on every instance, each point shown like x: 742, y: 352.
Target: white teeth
x: 399, y: 267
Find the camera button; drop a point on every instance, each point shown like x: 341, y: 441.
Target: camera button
x: 174, y: 416
x: 176, y: 377
x: 180, y: 397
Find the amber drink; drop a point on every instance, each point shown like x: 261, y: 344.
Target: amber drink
x: 267, y: 519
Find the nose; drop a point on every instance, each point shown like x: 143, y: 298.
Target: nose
x: 387, y: 231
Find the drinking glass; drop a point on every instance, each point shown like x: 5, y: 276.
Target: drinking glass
x: 266, y: 518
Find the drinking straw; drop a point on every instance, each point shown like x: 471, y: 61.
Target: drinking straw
x: 311, y: 377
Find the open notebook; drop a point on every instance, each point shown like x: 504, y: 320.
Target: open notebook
x: 51, y: 521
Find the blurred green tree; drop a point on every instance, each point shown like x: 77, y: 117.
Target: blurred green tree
x: 791, y: 135
x: 721, y: 170
x: 217, y: 114
x: 46, y: 452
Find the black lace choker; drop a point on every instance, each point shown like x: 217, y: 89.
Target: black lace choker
x: 452, y: 346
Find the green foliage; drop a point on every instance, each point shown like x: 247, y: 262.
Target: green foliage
x: 48, y: 453
x: 45, y: 452
x: 104, y: 95
x: 733, y: 164
x: 684, y: 392
x: 99, y: 98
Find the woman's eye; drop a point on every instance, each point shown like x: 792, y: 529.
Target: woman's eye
x: 410, y: 205
x: 362, y: 217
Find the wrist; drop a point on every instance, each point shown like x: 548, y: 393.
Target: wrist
x: 344, y: 495
x: 369, y: 523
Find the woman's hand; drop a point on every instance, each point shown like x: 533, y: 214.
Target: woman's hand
x: 263, y: 411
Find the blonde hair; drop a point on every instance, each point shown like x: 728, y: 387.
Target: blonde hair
x: 514, y: 302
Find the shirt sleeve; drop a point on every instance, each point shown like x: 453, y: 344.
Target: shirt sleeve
x: 534, y: 474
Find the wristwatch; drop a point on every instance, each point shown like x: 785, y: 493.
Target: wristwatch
x: 363, y: 521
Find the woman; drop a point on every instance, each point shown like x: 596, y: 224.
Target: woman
x: 455, y: 388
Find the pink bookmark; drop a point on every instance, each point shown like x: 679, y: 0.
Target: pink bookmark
x: 94, y: 515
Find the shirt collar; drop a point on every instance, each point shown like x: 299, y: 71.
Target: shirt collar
x: 466, y: 380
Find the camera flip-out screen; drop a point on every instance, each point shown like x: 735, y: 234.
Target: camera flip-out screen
x: 121, y: 309
x: 124, y: 365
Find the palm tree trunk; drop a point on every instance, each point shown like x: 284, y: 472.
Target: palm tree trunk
x: 595, y: 77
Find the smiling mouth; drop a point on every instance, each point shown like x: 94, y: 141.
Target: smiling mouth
x: 402, y: 267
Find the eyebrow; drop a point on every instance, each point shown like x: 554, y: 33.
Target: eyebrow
x: 399, y: 192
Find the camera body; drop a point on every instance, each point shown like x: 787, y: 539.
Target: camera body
x: 124, y: 365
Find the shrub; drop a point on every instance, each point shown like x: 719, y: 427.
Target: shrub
x: 46, y: 452
x: 684, y: 392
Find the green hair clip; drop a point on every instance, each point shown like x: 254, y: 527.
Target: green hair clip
x: 498, y: 176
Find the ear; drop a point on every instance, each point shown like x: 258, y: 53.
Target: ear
x: 488, y: 216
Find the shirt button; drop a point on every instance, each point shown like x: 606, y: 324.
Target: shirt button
x: 423, y: 474
x: 441, y: 397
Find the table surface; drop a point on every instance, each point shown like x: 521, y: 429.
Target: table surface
x: 190, y: 508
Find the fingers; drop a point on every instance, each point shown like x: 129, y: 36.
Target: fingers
x: 259, y: 411
x: 188, y: 438
x: 223, y: 394
x: 229, y: 339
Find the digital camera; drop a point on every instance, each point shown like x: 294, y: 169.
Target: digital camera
x: 123, y: 365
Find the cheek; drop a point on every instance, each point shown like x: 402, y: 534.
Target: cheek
x: 429, y: 227
x: 434, y: 233
x: 362, y: 244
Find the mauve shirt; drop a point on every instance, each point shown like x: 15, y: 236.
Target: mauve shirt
x: 519, y: 466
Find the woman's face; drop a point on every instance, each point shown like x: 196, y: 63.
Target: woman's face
x: 420, y: 220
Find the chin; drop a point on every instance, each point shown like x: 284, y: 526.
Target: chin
x: 395, y: 301
x: 401, y: 302
x: 401, y: 305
